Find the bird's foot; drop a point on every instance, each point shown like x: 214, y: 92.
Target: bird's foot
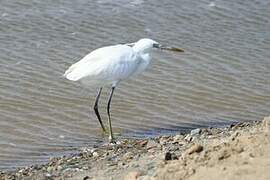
x: 112, y: 140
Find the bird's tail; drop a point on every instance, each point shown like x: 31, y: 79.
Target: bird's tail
x: 70, y: 75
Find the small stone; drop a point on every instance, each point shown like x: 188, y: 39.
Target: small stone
x: 86, y: 177
x: 21, y: 170
x: 177, y: 138
x: 170, y: 156
x: 50, y: 169
x: 152, y: 144
x: 48, y: 175
x: 223, y: 155
x: 92, y: 150
x: 251, y: 155
x: 59, y: 168
x: 128, y: 155
x: 143, y: 143
x: 188, y: 138
x: 238, y: 149
x: 194, y: 148
x: 234, y: 135
x: 95, y: 154
x: 163, y: 140
x: 266, y: 123
x: 195, y: 132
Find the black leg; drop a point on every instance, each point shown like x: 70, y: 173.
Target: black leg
x: 96, y: 110
x: 111, y: 139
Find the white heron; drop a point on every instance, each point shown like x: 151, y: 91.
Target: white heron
x: 110, y: 65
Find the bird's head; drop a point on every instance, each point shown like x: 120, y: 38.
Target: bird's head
x: 146, y: 45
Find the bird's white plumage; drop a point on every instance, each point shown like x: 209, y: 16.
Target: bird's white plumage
x: 111, y: 64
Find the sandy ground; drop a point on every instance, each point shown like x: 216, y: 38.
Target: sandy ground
x: 241, y: 151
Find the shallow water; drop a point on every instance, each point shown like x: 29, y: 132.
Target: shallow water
x: 222, y: 77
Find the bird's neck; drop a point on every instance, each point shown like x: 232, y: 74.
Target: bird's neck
x: 145, y: 56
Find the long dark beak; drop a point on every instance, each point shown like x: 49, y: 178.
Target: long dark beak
x: 162, y: 47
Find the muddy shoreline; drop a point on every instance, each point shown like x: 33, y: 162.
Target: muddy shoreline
x: 237, y: 151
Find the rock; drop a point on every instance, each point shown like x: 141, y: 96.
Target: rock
x: 163, y: 140
x: 188, y: 138
x: 95, y: 154
x: 238, y: 149
x: 170, y: 156
x: 128, y: 156
x: 152, y: 144
x: 194, y: 148
x: 223, y: 154
x: 59, y: 168
x: 195, y: 132
x: 234, y: 135
x: 177, y: 139
x: 48, y: 175
x: 21, y: 170
x: 91, y: 150
x: 172, y: 148
x: 266, y: 123
x: 85, y: 168
x: 143, y: 143
x: 133, y: 175
x: 49, y: 169
x: 86, y: 177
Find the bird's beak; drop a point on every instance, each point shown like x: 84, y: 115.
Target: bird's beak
x: 162, y: 47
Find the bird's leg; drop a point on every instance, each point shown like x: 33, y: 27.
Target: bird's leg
x: 96, y: 111
x: 111, y: 139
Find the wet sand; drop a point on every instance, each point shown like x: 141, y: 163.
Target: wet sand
x: 240, y: 151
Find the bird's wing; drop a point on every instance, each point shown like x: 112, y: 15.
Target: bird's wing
x: 101, y: 63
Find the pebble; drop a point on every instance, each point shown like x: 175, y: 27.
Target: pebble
x: 152, y: 144
x: 21, y: 170
x: 128, y: 155
x: 50, y: 169
x: 92, y: 150
x: 170, y: 156
x: 95, y: 154
x: 177, y: 139
x: 59, y: 168
x: 163, y: 140
x: 48, y: 175
x: 234, y: 135
x: 194, y: 148
x: 223, y: 155
x: 143, y: 143
x: 195, y: 132
x: 188, y: 138
x: 86, y: 177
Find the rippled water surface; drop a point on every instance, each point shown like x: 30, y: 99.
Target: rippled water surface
x: 222, y: 77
